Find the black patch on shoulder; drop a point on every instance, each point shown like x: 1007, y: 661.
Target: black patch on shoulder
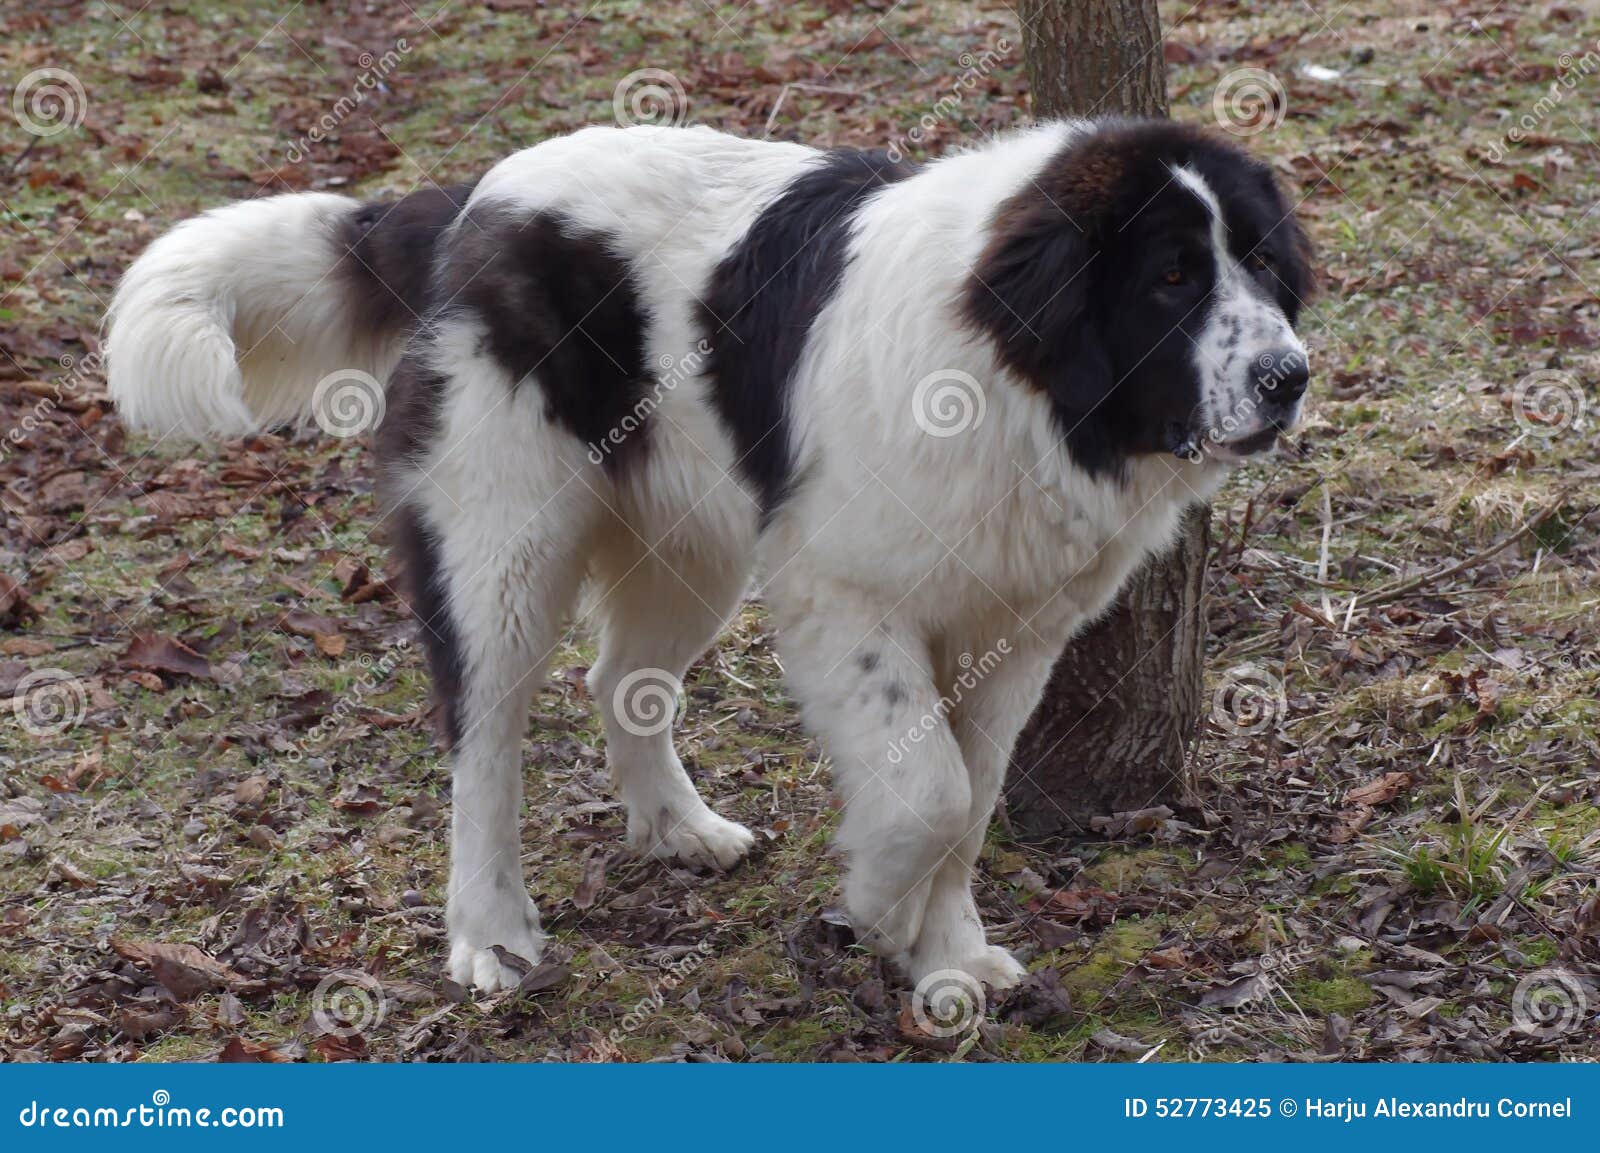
x: 758, y: 308
x: 386, y: 251
x: 560, y: 306
x: 428, y: 589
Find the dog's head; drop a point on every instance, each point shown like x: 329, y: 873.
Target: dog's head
x: 1148, y: 280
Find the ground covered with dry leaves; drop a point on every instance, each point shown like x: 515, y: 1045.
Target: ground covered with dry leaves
x: 222, y: 813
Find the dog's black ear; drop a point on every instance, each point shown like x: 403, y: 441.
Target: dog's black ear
x: 1296, y: 278
x: 1034, y: 293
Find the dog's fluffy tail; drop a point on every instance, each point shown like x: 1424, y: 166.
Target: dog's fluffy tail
x: 227, y: 323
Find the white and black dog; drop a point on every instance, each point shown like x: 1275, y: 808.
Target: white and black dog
x: 948, y: 409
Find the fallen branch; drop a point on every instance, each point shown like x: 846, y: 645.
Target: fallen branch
x: 1405, y: 588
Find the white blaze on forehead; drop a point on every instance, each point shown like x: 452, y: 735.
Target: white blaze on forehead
x: 1227, y: 264
x: 1196, y: 184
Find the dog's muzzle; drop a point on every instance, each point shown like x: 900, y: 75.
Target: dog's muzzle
x: 1278, y: 382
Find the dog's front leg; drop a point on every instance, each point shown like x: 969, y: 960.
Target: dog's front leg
x: 868, y: 691
x: 993, y: 685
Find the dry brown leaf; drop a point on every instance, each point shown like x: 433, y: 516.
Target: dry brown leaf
x: 1351, y: 822
x: 1171, y: 958
x: 593, y: 879
x: 238, y: 1051
x: 1235, y: 994
x: 303, y: 624
x: 1379, y: 792
x: 185, y: 970
x: 15, y: 608
x: 26, y: 646
x: 157, y: 654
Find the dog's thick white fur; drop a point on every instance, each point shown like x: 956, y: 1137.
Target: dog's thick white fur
x: 899, y: 558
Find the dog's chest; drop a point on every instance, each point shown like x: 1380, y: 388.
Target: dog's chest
x: 1062, y: 550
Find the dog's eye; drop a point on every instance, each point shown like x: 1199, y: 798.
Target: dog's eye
x: 1174, y: 277
x: 1259, y: 262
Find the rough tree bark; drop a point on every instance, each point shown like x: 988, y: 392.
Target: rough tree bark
x: 1091, y: 57
x: 1113, y: 729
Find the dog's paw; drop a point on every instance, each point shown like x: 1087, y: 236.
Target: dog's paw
x: 699, y: 838
x: 996, y: 968
x: 473, y: 957
x: 991, y: 966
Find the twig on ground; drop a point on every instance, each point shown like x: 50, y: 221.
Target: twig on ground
x: 783, y: 94
x: 16, y: 161
x: 1406, y: 588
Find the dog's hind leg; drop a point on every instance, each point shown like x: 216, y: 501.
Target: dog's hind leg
x: 868, y: 690
x: 659, y: 610
x: 494, y: 524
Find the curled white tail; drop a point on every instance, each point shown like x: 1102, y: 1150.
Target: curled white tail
x: 226, y: 324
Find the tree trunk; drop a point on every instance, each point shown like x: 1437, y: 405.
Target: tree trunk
x: 1094, y: 57
x: 1114, y: 727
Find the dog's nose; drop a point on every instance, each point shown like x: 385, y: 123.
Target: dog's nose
x: 1283, y: 375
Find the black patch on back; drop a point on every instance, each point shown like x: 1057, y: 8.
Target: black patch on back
x: 427, y: 587
x: 758, y: 308
x: 386, y: 251
x: 562, y: 307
